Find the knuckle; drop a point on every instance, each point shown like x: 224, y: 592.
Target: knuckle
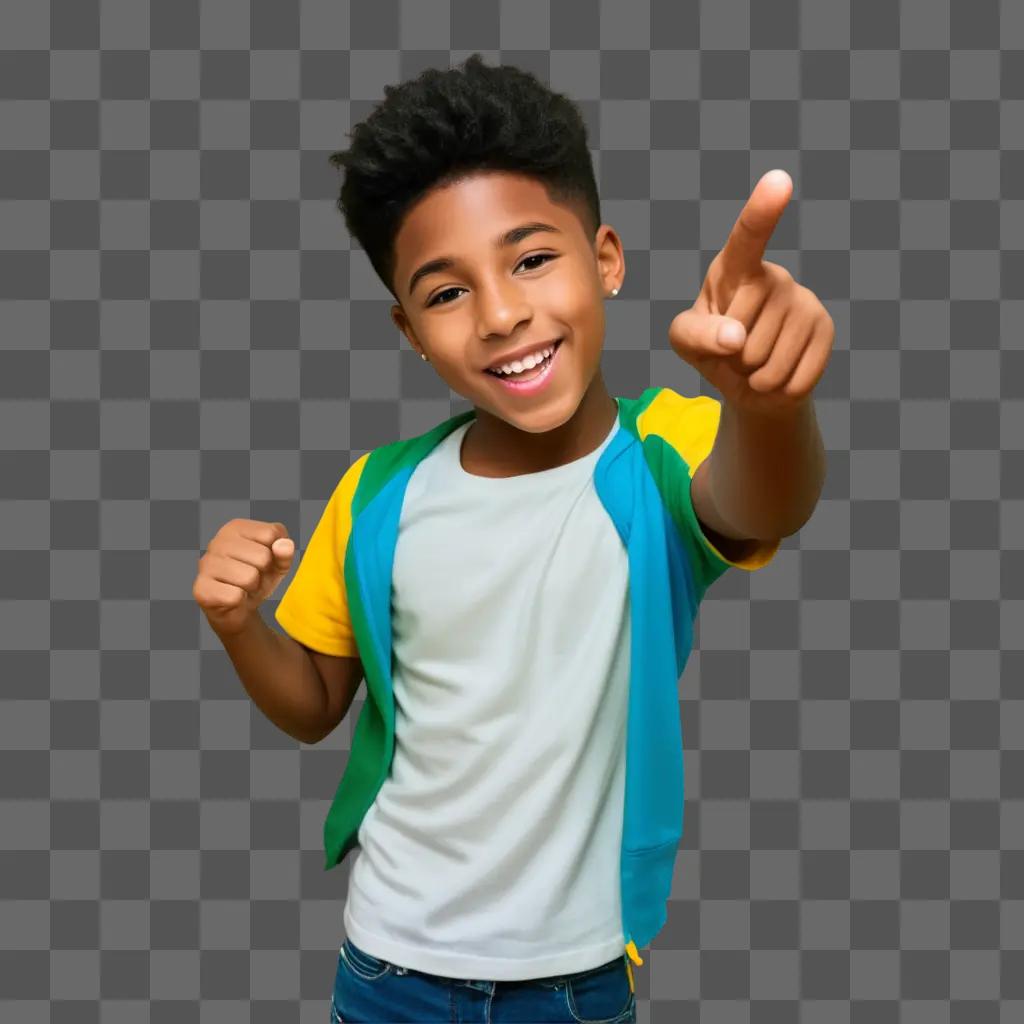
x: 808, y: 297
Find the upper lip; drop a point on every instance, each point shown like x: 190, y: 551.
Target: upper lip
x: 520, y: 353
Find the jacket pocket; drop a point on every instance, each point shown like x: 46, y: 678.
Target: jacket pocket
x: 646, y: 887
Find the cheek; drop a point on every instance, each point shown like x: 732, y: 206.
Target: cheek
x: 574, y: 299
x: 581, y: 305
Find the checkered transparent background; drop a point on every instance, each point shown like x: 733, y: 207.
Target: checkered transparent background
x: 187, y: 334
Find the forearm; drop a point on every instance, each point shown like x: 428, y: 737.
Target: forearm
x: 280, y: 677
x: 765, y: 473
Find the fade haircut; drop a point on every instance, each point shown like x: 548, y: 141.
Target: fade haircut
x: 434, y: 129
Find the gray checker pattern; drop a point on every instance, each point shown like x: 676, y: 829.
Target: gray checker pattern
x: 188, y: 335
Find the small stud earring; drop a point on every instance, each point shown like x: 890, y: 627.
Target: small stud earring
x: 615, y: 291
x: 423, y: 355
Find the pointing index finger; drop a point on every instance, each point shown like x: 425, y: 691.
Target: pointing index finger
x: 744, y: 248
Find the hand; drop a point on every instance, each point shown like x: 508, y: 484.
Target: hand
x: 783, y: 334
x: 242, y: 567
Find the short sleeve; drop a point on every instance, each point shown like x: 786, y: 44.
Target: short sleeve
x: 314, y: 608
x: 713, y: 562
x: 684, y: 432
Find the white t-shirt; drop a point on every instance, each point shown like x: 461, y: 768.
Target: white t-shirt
x: 492, y: 849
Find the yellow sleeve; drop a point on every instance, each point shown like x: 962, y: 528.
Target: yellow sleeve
x: 314, y: 608
x: 689, y: 425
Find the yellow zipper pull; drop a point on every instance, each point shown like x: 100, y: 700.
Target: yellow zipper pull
x: 629, y: 971
x: 633, y: 954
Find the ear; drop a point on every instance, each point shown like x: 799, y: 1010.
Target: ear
x: 611, y: 261
x: 401, y: 321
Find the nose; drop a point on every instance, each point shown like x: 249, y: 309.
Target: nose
x: 501, y: 307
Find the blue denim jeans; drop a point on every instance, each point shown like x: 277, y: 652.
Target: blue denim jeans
x: 374, y: 991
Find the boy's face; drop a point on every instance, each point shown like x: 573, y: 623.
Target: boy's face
x: 492, y: 301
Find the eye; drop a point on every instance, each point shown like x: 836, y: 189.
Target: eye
x: 537, y: 256
x: 544, y: 256
x: 435, y: 300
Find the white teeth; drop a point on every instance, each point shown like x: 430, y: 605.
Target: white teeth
x: 527, y: 363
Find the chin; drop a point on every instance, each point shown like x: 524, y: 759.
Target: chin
x: 545, y: 417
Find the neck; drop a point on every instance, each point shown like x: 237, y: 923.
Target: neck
x: 501, y: 449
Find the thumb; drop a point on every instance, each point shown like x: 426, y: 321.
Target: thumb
x: 704, y: 334
x: 283, y: 549
x: 729, y: 333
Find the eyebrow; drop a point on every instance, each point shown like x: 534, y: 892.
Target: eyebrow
x: 510, y: 237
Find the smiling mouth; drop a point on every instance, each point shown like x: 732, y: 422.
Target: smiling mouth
x: 526, y: 373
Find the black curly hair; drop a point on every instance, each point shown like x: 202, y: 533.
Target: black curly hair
x: 436, y: 128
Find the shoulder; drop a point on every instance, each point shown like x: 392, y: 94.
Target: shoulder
x: 686, y: 423
x: 368, y: 474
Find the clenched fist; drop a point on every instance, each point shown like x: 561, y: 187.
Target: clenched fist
x: 242, y: 567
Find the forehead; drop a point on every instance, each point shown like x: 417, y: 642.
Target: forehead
x: 469, y: 212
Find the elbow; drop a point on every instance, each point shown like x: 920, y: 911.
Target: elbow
x: 308, y: 739
x: 788, y: 526
x: 801, y: 523
x: 795, y: 520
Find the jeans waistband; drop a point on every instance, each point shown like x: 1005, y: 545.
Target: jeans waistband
x: 549, y: 981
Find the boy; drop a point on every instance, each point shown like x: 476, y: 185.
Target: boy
x: 518, y: 584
